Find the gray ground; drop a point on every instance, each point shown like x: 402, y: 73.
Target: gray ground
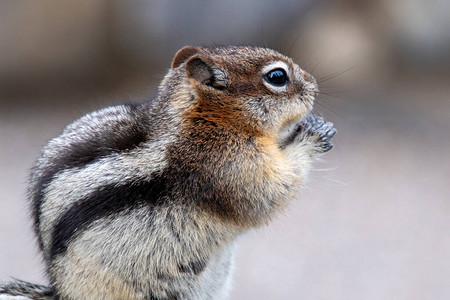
x: 373, y: 222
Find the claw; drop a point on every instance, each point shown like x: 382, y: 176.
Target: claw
x: 314, y: 126
x: 327, y: 146
x: 330, y: 134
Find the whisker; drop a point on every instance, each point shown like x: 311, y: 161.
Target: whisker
x: 334, y: 75
x: 294, y: 42
x: 333, y: 95
x: 319, y: 104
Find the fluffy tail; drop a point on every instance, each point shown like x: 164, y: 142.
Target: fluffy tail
x: 26, y: 289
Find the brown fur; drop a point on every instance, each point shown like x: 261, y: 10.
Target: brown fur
x: 221, y: 123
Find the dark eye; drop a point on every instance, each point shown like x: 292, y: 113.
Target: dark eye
x: 277, y: 77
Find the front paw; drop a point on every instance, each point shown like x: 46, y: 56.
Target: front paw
x: 316, y: 133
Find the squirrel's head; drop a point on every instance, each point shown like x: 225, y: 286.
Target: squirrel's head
x: 248, y: 88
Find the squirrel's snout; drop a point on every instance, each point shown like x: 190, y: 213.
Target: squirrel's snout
x: 307, y: 85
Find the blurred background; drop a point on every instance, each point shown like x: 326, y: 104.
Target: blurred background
x: 374, y: 220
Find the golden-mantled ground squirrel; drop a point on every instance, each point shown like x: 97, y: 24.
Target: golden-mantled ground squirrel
x: 145, y: 201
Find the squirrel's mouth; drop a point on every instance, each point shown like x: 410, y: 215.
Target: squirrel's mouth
x: 294, y: 126
x: 288, y: 133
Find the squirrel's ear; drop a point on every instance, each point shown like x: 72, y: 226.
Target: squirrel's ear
x: 199, y: 70
x: 183, y: 55
x: 202, y: 72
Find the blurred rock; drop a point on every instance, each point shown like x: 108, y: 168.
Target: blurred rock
x: 46, y: 43
x: 375, y: 43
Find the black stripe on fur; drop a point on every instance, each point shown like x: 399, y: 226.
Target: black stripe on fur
x: 128, y: 135
x: 105, y: 202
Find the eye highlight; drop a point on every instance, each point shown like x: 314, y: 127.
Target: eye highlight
x: 277, y: 77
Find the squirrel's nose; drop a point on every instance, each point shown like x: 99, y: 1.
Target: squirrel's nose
x: 309, y: 85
